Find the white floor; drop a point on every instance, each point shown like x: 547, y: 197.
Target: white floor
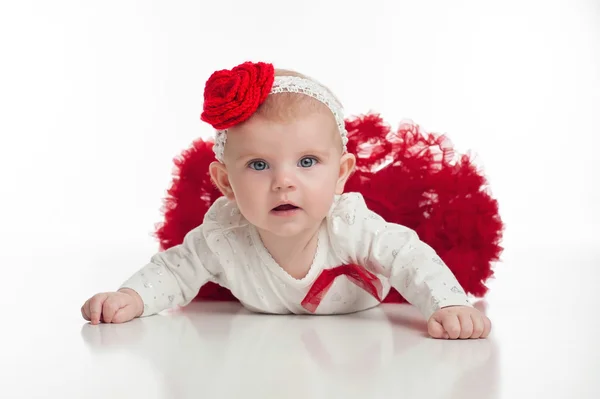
x: 96, y: 100
x: 543, y: 305
x: 544, y: 341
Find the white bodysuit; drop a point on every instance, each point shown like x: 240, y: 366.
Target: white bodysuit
x: 227, y: 250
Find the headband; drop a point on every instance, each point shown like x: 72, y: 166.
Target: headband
x: 232, y: 96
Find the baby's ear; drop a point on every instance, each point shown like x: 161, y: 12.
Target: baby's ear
x: 219, y: 176
x: 347, y: 164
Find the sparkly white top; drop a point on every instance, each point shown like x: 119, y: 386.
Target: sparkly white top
x: 227, y: 250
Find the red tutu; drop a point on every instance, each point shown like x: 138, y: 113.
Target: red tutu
x: 408, y: 177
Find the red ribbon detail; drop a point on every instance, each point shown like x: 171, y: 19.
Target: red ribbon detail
x: 358, y: 275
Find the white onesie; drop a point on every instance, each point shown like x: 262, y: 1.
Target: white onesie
x: 227, y: 250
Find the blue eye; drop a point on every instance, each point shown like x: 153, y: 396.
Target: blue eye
x: 258, y: 165
x: 307, y: 162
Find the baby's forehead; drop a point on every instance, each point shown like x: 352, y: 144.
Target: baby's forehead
x: 314, y: 131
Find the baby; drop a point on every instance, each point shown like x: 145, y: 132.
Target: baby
x: 285, y: 237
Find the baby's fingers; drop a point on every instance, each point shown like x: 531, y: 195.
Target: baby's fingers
x: 487, y: 327
x: 452, y: 325
x: 124, y: 314
x: 435, y: 328
x: 95, y: 304
x: 466, y: 325
x: 110, y: 307
x: 478, y: 325
x: 85, y: 310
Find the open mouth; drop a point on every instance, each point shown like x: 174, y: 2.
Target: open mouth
x: 285, y: 207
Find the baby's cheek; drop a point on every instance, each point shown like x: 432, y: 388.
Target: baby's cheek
x: 246, y: 196
x: 246, y: 185
x: 321, y: 201
x: 250, y: 212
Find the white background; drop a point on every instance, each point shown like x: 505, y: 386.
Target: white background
x: 97, y: 98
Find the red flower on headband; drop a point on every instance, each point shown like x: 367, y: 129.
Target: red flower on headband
x: 232, y: 96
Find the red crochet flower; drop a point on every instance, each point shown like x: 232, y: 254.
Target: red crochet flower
x: 232, y: 96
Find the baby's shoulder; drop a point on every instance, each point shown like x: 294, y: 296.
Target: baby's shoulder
x: 224, y: 213
x: 223, y: 219
x: 349, y: 206
x: 350, y: 218
x: 346, y: 201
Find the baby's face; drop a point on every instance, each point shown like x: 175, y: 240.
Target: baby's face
x: 295, y: 163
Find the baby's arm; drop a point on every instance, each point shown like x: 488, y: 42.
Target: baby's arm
x: 412, y: 266
x: 174, y: 277
x: 170, y: 278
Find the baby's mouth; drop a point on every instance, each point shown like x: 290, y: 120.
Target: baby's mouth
x: 285, y: 207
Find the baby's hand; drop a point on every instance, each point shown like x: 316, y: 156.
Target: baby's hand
x: 461, y: 322
x: 113, y: 307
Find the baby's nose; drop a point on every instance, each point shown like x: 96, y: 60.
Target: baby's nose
x: 284, y: 180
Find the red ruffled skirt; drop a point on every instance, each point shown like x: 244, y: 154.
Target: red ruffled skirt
x: 407, y: 176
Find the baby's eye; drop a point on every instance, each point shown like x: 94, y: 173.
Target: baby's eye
x: 307, y: 162
x: 258, y: 165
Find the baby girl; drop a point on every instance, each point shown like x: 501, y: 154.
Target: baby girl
x: 285, y: 237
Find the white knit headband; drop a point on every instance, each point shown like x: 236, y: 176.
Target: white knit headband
x: 294, y: 84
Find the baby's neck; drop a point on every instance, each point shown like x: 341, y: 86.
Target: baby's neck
x: 293, y: 254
